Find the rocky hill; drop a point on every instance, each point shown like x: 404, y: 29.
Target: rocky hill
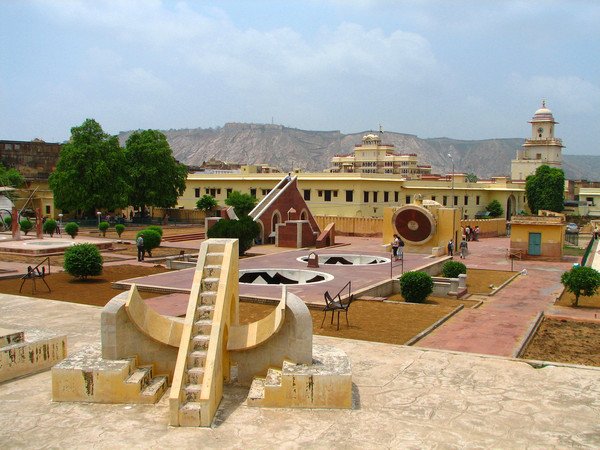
x: 289, y: 148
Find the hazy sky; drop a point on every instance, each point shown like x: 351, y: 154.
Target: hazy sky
x: 459, y: 69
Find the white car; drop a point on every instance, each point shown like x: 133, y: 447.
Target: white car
x: 572, y: 228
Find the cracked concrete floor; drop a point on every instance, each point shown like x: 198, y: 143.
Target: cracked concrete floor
x: 404, y: 397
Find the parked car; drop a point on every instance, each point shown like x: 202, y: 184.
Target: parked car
x: 572, y: 228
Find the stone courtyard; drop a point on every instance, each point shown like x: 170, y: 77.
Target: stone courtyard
x: 404, y: 397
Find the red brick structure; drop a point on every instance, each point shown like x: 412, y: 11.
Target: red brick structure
x: 284, y: 217
x: 36, y: 159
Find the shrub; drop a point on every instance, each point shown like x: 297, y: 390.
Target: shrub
x: 151, y: 240
x: 245, y: 230
x: 452, y: 269
x: 581, y: 280
x: 49, y: 227
x: 26, y: 225
x: 119, y: 228
x: 206, y: 203
x: 103, y: 226
x: 156, y: 228
x: 83, y: 260
x: 8, y: 221
x: 415, y: 286
x: 72, y: 229
x: 495, y: 208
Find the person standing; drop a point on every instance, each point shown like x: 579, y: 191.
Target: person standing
x: 395, y: 246
x: 463, y: 249
x: 451, y: 247
x: 400, y: 248
x: 140, y: 247
x: 476, y: 233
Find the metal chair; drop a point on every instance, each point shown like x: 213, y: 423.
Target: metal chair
x: 338, y: 304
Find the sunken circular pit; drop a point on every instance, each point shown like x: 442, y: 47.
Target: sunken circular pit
x: 348, y: 260
x: 277, y: 277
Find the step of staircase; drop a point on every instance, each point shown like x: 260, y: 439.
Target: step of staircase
x: 189, y: 414
x: 257, y: 390
x: 24, y: 351
x: 205, y: 312
x: 202, y: 326
x: 273, y: 378
x: 200, y: 342
x: 192, y: 392
x: 10, y: 337
x: 195, y: 375
x: 155, y: 389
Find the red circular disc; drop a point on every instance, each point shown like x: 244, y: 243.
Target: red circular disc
x: 414, y: 224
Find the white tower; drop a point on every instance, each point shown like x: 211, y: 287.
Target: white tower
x: 542, y: 148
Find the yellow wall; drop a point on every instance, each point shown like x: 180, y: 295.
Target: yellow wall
x: 487, y: 227
x: 399, y: 192
x: 443, y: 230
x: 552, y: 238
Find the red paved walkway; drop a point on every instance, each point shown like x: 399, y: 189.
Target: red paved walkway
x: 500, y: 325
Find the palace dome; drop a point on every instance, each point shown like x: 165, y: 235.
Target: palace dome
x: 543, y: 114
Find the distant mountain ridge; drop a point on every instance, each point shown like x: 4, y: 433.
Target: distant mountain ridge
x: 311, y: 151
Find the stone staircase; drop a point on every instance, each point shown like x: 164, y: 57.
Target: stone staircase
x: 86, y: 376
x: 326, y: 383
x: 27, y: 351
x: 185, y: 237
x: 192, y: 401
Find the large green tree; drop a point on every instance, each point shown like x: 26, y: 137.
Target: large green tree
x: 242, y: 203
x: 154, y: 176
x: 581, y: 280
x: 546, y: 189
x: 10, y: 178
x: 90, y: 173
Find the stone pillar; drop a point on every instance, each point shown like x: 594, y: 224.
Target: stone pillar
x: 38, y: 224
x: 462, y: 281
x: 16, y: 231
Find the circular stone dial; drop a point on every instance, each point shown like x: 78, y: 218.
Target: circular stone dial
x: 414, y: 224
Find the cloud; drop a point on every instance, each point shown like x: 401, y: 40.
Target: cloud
x: 572, y: 94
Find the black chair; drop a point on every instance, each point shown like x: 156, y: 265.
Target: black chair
x: 334, y: 304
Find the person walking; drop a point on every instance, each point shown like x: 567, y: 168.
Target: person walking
x: 140, y: 247
x: 451, y: 247
x: 463, y: 249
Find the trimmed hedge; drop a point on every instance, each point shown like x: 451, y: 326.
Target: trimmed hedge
x: 83, y: 260
x: 119, y: 228
x: 415, y: 287
x: 26, y: 225
x: 72, y: 229
x: 49, y: 226
x: 103, y: 226
x: 151, y: 240
x: 156, y: 228
x: 452, y: 269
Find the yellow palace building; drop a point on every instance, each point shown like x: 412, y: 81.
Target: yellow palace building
x: 362, y: 194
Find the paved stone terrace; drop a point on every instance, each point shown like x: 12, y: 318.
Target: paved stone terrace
x: 404, y: 397
x: 361, y: 276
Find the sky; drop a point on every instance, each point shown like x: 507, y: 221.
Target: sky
x: 458, y: 69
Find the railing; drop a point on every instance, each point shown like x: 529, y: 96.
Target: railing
x: 587, y: 252
x: 572, y: 238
